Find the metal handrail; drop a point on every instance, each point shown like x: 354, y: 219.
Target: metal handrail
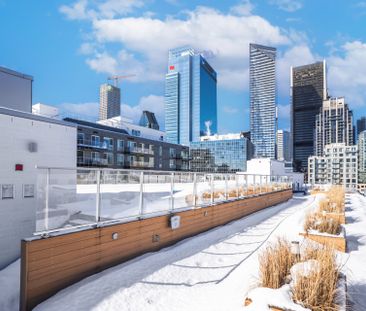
x: 259, y: 182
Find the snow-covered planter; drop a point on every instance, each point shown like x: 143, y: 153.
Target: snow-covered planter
x: 337, y: 242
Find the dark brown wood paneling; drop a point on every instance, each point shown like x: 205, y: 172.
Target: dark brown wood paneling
x: 49, y: 265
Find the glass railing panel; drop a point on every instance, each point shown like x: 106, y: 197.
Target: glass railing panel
x: 183, y: 190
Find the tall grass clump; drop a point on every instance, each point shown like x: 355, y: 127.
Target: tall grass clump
x: 317, y: 290
x: 322, y: 224
x: 335, y: 200
x: 275, y: 263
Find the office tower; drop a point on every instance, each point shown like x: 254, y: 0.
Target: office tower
x: 190, y: 97
x: 148, y: 119
x: 308, y: 90
x: 219, y: 154
x: 109, y: 101
x: 15, y: 90
x: 361, y: 125
x: 338, y: 166
x: 334, y: 124
x: 262, y: 75
x: 284, y: 145
x: 362, y: 157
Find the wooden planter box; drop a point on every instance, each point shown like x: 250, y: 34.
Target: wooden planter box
x: 334, y: 241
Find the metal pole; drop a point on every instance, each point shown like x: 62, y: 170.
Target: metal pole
x: 212, y: 189
x: 97, y: 205
x: 194, y: 189
x: 226, y: 188
x: 246, y: 182
x: 47, y: 199
x: 260, y: 184
x: 141, y: 202
x: 172, y: 191
x: 236, y: 185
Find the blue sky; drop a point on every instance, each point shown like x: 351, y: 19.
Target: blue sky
x: 71, y: 47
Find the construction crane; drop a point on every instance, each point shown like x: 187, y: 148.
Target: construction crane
x: 117, y: 78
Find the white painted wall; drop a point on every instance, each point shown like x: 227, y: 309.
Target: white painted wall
x: 265, y: 166
x: 56, y: 146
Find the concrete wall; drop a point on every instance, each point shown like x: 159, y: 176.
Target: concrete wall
x: 15, y: 90
x: 56, y: 146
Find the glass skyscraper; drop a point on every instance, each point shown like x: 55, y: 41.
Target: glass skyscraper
x: 190, y: 97
x: 219, y: 154
x: 262, y: 84
x: 308, y: 90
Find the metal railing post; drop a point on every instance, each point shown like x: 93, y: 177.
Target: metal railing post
x: 260, y: 184
x: 194, y: 189
x: 172, y: 191
x: 141, y: 200
x: 246, y: 182
x: 237, y: 185
x: 47, y: 199
x: 97, y: 205
x: 226, y: 188
x: 212, y: 188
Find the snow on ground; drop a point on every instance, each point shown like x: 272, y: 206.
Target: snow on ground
x: 354, y: 261
x: 9, y: 287
x: 212, y: 271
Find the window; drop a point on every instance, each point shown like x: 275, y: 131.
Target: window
x: 80, y: 158
x: 95, y: 157
x: 136, y: 133
x: 80, y: 138
x: 120, y: 145
x: 95, y: 140
x: 7, y: 191
x: 120, y: 159
x: 108, y: 156
x: 108, y: 143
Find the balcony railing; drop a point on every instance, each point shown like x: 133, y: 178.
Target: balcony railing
x: 89, y: 197
x: 94, y: 162
x: 140, y: 150
x: 93, y: 144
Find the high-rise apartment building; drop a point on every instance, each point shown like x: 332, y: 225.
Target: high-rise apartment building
x: 109, y: 101
x: 190, y: 97
x: 362, y: 157
x: 338, y: 166
x: 308, y: 90
x: 263, y: 122
x: 333, y: 125
x: 284, y: 146
x: 361, y: 125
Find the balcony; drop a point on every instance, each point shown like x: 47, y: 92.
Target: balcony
x: 91, y: 162
x: 93, y: 144
x: 140, y: 150
x: 139, y: 164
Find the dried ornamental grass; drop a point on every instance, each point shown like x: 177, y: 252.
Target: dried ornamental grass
x: 318, y: 289
x: 275, y: 263
x: 322, y: 224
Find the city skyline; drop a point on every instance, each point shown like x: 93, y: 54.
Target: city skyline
x: 289, y: 31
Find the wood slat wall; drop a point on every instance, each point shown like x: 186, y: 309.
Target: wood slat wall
x: 49, y: 265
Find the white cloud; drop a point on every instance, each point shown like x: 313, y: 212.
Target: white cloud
x: 90, y: 111
x: 287, y: 5
x: 146, y: 42
x: 244, y: 8
x: 347, y: 75
x: 151, y: 103
x: 295, y: 56
x: 92, y: 9
x: 81, y: 110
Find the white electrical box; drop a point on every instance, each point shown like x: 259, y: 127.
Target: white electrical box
x: 175, y: 222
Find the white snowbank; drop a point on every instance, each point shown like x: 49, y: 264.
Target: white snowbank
x: 263, y: 297
x: 9, y: 287
x: 212, y: 271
